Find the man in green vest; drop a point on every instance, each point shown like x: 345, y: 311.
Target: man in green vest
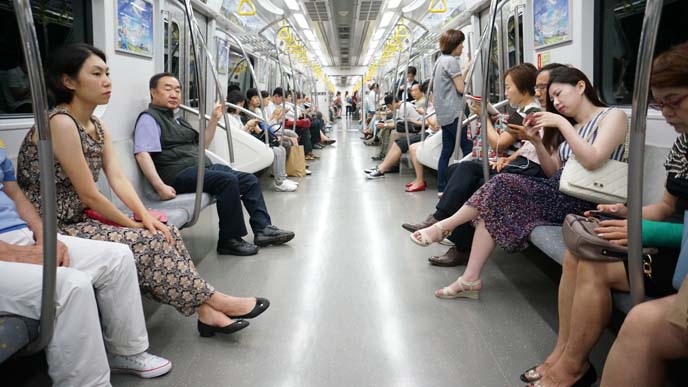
x: 166, y: 149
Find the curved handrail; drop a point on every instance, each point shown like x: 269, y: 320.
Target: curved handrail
x: 253, y: 75
x: 195, y: 112
x: 200, y: 87
x: 648, y: 38
x: 218, y: 87
x: 485, y: 57
x: 468, y: 85
x: 39, y: 99
x: 287, y: 27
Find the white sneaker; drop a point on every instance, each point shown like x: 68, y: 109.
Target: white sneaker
x: 308, y: 172
x: 143, y: 365
x: 292, y: 181
x: 285, y: 187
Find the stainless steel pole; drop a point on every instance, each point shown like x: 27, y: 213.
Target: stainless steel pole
x: 648, y: 38
x: 34, y: 67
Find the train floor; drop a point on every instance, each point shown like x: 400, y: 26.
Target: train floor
x: 352, y: 296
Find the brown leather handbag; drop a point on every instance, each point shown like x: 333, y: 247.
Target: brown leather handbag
x: 581, y: 240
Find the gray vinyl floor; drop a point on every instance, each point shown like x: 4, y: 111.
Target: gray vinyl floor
x: 352, y: 301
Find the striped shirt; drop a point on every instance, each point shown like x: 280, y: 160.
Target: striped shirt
x: 589, y: 132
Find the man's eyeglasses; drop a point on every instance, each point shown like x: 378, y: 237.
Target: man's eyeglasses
x: 540, y: 87
x: 672, y: 104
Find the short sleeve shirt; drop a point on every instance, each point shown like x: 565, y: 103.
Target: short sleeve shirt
x: 9, y: 218
x: 147, y: 135
x: 447, y: 98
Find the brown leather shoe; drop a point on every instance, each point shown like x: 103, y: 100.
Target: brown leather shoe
x: 452, y: 257
x: 413, y: 227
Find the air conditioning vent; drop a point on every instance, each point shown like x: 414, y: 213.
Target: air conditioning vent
x: 317, y: 10
x: 369, y: 10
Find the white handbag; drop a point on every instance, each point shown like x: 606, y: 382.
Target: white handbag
x: 607, y: 184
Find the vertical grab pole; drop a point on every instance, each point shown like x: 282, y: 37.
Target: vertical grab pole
x: 220, y: 93
x: 485, y: 57
x: 405, y: 94
x: 47, y: 166
x: 255, y: 79
x: 200, y: 88
x: 648, y: 38
x: 427, y: 103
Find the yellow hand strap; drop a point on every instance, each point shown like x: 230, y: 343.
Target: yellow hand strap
x: 251, y: 11
x: 438, y: 8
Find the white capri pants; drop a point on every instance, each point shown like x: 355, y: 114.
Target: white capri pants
x: 76, y: 355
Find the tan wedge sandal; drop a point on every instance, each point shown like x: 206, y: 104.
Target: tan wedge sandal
x: 422, y: 238
x: 467, y: 290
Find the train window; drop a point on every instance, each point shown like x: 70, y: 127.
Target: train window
x: 619, y: 36
x: 171, y: 50
x: 57, y: 23
x: 494, y: 69
x: 511, y: 40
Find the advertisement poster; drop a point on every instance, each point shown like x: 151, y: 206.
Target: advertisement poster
x: 552, y: 22
x: 134, y: 27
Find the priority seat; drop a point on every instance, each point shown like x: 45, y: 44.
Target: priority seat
x: 179, y: 210
x: 15, y: 333
x: 550, y: 240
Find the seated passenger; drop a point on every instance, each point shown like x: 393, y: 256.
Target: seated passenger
x: 76, y: 355
x: 460, y: 188
x: 281, y: 184
x: 80, y: 82
x: 507, y: 208
x: 166, y: 150
x: 647, y: 338
x: 406, y: 112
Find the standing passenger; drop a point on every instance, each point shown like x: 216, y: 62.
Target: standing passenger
x: 448, y: 87
x: 80, y: 81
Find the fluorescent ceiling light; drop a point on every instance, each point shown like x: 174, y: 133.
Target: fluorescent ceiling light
x: 386, y: 18
x: 292, y: 4
x: 413, y: 6
x: 309, y: 35
x: 393, y: 4
x: 301, y: 20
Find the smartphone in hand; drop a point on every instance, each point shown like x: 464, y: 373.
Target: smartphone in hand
x: 515, y: 119
x: 604, y: 216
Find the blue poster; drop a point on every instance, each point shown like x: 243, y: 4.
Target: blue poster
x: 552, y: 22
x: 135, y: 27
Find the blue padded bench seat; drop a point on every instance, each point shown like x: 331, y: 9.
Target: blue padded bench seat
x: 550, y: 241
x: 179, y: 210
x: 15, y: 333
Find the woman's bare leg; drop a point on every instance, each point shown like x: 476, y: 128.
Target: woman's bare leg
x: 464, y: 214
x: 644, y: 344
x: 417, y: 166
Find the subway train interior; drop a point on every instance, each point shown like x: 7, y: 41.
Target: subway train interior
x: 343, y: 193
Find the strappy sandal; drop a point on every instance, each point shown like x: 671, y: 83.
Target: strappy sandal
x: 467, y: 290
x: 531, y: 375
x: 422, y: 238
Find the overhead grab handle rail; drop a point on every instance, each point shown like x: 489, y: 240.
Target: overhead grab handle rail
x: 242, y: 11
x: 195, y: 112
x: 32, y: 55
x: 648, y: 38
x: 438, y: 6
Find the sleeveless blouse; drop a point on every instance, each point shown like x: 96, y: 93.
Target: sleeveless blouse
x: 70, y: 209
x: 589, y: 131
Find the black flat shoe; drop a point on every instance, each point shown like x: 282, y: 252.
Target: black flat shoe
x: 262, y: 304
x: 236, y: 246
x: 209, y: 331
x: 272, y: 235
